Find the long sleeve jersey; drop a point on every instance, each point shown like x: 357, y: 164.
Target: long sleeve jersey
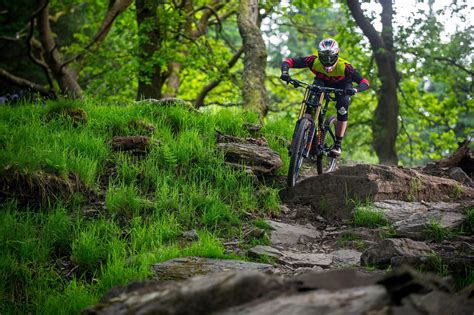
x: 342, y: 74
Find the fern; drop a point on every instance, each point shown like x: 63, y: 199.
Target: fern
x: 168, y: 156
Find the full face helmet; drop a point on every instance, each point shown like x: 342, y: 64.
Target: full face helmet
x: 328, y: 52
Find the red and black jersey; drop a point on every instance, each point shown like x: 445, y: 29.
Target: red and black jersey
x: 342, y: 74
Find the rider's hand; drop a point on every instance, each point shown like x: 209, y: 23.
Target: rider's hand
x: 285, y: 76
x: 350, y: 91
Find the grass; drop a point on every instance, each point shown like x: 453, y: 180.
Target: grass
x: 57, y: 260
x: 366, y: 215
x: 457, y: 191
x: 434, y: 231
x: 435, y: 263
x: 352, y: 240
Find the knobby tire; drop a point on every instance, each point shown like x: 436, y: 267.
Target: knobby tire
x: 325, y: 163
x: 298, y: 144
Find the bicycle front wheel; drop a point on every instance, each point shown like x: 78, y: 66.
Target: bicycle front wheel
x: 298, y: 145
x: 324, y: 162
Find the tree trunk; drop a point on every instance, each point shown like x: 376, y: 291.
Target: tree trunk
x: 385, y: 124
x: 150, y: 75
x: 255, y: 60
x: 174, y: 80
x: 63, y: 75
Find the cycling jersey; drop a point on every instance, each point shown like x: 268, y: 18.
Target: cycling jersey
x: 342, y: 74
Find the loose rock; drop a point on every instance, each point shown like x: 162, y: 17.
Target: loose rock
x: 291, y: 234
x: 346, y: 257
x: 262, y: 250
x: 383, y: 252
x: 184, y: 268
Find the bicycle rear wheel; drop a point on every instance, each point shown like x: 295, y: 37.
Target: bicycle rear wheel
x: 324, y: 162
x: 298, y: 145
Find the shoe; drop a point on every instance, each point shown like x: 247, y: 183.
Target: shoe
x: 336, y: 150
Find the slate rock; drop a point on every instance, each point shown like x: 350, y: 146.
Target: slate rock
x: 360, y: 300
x: 441, y: 303
x: 382, y: 253
x: 291, y: 234
x: 336, y: 279
x: 199, y: 295
x: 458, y: 174
x: 297, y: 260
x: 346, y: 257
x: 410, y: 219
x: 403, y: 291
x: 184, y: 268
x: 263, y: 250
x: 377, y: 182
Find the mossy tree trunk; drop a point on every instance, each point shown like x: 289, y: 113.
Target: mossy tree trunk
x: 385, y: 124
x: 255, y: 59
x: 151, y: 75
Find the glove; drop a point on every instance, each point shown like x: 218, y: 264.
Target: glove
x: 285, y: 76
x: 350, y: 91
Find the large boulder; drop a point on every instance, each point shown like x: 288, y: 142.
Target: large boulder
x: 334, y: 194
x: 333, y: 292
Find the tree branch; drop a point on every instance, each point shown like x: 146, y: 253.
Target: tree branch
x: 211, y: 9
x: 375, y: 40
x: 387, y: 28
x: 23, y: 82
x: 451, y: 61
x: 208, y: 88
x: 41, y: 63
x: 112, y: 13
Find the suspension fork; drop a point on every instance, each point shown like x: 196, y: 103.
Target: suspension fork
x: 322, y: 128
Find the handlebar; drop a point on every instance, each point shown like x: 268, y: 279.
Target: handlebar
x: 297, y: 83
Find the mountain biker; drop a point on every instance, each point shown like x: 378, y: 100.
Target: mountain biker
x: 330, y: 71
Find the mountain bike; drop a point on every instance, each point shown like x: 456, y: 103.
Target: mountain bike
x: 314, y: 136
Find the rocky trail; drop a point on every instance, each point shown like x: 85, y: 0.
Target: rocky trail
x: 325, y: 262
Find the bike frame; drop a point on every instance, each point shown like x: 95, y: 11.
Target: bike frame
x: 312, y: 109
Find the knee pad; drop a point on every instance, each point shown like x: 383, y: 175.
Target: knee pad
x: 342, y: 106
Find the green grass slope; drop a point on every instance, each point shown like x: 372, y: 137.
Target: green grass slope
x: 59, y: 255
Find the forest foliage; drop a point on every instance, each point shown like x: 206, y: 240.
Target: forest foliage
x: 195, y: 42
x: 124, y: 212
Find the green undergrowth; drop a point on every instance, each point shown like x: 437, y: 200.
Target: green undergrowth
x: 434, y: 231
x: 368, y: 216
x: 61, y: 258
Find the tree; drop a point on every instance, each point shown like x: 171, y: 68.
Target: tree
x: 46, y: 52
x: 437, y: 86
x: 255, y: 60
x: 151, y: 74
x: 385, y: 123
x: 165, y: 41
